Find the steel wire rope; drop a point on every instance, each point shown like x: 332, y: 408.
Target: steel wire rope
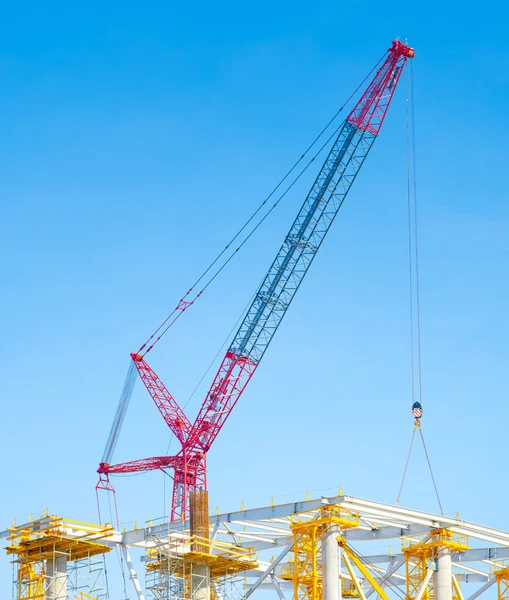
x: 312, y: 230
x: 417, y: 282
x: 119, y: 551
x: 226, y: 340
x: 410, y: 268
x: 406, y: 466
x: 413, y: 251
x: 384, y: 579
x: 244, y: 241
x: 410, y: 239
x: 165, y: 474
x: 431, y: 471
x: 126, y: 474
x: 416, y: 233
x: 183, y: 304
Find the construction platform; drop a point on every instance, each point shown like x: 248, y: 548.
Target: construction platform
x: 283, y: 548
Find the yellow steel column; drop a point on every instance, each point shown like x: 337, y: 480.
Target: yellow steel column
x: 316, y: 568
x: 502, y: 576
x: 431, y: 551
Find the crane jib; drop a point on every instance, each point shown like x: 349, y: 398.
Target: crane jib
x: 271, y: 302
x: 302, y: 242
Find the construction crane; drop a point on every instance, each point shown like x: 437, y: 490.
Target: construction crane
x: 272, y: 300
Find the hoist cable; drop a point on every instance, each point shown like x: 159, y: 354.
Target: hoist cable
x: 411, y: 157
x: 227, y: 339
x: 384, y: 579
x: 183, y: 303
x: 410, y: 246
x: 119, y: 551
x: 406, y: 465
x: 416, y: 236
x: 413, y: 268
x: 431, y: 471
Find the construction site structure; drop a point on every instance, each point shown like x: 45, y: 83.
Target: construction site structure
x: 57, y: 559
x: 326, y: 548
x: 182, y: 565
x: 429, y: 564
x: 502, y: 577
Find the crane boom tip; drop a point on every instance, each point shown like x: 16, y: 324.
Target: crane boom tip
x: 402, y: 49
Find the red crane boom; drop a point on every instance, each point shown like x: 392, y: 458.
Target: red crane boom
x: 271, y: 302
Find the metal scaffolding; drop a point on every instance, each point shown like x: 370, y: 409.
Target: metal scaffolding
x: 270, y: 548
x: 306, y: 570
x: 56, y: 559
x: 183, y: 567
x: 502, y: 577
x: 424, y: 557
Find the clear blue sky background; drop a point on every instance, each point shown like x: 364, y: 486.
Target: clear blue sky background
x: 136, y: 137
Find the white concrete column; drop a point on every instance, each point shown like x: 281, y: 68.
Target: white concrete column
x: 331, y: 564
x: 56, y: 577
x: 442, y: 578
x: 133, y: 576
x: 200, y: 582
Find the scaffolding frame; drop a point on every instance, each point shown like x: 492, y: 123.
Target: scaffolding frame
x: 267, y: 530
x: 174, y: 566
x: 502, y: 577
x: 42, y: 544
x: 305, y: 570
x: 420, y: 551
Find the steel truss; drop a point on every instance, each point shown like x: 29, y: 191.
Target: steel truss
x: 267, y: 531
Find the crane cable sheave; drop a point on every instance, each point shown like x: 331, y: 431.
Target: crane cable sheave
x: 273, y: 298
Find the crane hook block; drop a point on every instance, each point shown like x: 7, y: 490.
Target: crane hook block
x: 417, y: 410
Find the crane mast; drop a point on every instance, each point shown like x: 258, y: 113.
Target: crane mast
x: 272, y: 300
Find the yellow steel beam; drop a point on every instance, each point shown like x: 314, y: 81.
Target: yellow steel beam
x: 362, y: 568
x: 456, y: 586
x: 354, y: 577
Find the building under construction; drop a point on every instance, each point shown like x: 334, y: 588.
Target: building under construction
x: 313, y: 549
x: 309, y: 550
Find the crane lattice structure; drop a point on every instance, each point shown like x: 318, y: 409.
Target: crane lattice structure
x: 272, y: 300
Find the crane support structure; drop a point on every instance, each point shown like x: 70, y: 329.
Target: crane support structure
x: 272, y: 299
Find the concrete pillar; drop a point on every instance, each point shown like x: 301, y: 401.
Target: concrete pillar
x: 442, y: 577
x: 56, y: 577
x: 331, y: 564
x: 133, y: 576
x: 200, y: 582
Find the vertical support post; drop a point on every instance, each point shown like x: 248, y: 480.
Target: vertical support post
x: 331, y: 563
x: 200, y: 582
x: 133, y: 576
x: 199, y: 528
x: 442, y: 578
x: 199, y: 520
x: 56, y: 573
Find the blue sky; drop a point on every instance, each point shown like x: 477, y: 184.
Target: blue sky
x: 135, y: 139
